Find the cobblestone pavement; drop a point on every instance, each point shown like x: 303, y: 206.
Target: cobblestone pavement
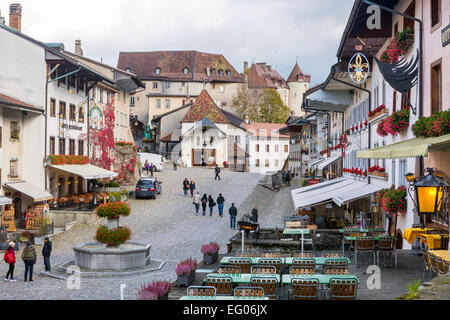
x: 170, y: 225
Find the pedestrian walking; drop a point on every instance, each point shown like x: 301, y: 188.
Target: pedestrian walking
x: 211, y: 204
x: 204, y: 203
x: 10, y: 258
x: 175, y: 164
x: 288, y: 178
x: 186, y: 186
x: 46, y: 252
x: 147, y: 166
x: 197, y: 201
x: 220, y: 204
x: 152, y: 169
x: 29, y: 258
x: 217, y: 171
x: 255, y: 214
x: 192, y: 188
x: 233, y: 214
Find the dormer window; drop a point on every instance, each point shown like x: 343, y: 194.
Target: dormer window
x: 228, y: 72
x: 213, y: 72
x: 128, y: 69
x: 221, y: 72
x: 158, y: 71
x: 186, y: 70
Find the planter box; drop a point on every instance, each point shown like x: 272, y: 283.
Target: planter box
x: 376, y: 115
x: 210, y: 259
x: 382, y: 175
x: 185, y: 281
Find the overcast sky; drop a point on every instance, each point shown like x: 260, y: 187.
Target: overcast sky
x: 272, y: 31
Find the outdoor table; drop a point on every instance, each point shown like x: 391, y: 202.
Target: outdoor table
x: 442, y: 254
x: 243, y: 277
x: 413, y: 234
x: 297, y: 232
x: 433, y: 241
x: 223, y: 298
x: 284, y: 260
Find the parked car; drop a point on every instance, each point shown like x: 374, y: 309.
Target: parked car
x: 156, y: 159
x: 148, y: 188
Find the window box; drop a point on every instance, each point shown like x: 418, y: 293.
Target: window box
x: 380, y: 175
x: 379, y: 115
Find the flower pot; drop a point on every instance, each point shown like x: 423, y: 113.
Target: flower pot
x: 210, y: 259
x: 164, y: 297
x: 185, y: 281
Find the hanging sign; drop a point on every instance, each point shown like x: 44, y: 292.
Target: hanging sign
x: 358, y: 68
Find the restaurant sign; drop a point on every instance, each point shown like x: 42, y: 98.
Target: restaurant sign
x: 445, y: 36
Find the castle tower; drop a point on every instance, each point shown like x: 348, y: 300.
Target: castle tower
x: 298, y: 84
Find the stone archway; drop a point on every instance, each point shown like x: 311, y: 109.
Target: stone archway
x: 399, y: 240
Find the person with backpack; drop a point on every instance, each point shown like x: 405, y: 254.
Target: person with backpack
x: 29, y: 257
x: 211, y: 204
x: 220, y: 204
x: 46, y: 251
x: 217, y: 171
x: 10, y: 258
x: 204, y: 203
x: 192, y: 188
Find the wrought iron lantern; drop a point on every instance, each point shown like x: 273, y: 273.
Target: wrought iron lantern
x: 431, y: 192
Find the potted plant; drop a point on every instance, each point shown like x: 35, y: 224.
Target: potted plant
x: 225, y: 164
x: 185, y: 271
x: 157, y: 290
x: 210, y: 253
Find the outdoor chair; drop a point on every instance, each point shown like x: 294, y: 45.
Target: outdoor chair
x: 332, y: 254
x: 386, y: 245
x: 61, y: 203
x: 304, y: 289
x: 433, y: 263
x: 243, y: 263
x: 232, y: 270
x: 444, y: 242
x: 269, y: 286
x: 300, y: 270
x: 343, y: 289
x: 76, y: 203
x: 442, y: 268
x: 245, y: 255
x: 254, y: 270
x: 306, y: 254
x: 271, y: 255
x: 223, y: 285
x: 365, y: 245
x: 271, y: 262
x: 311, y: 263
x: 196, y: 291
x: 255, y: 292
x: 336, y: 267
x: 427, y: 270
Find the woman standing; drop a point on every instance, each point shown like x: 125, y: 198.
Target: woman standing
x: 204, y: 203
x: 211, y: 204
x: 10, y: 258
x: 29, y: 258
x: 192, y: 188
x: 185, y: 186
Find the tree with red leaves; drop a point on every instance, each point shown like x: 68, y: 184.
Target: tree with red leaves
x: 103, y: 139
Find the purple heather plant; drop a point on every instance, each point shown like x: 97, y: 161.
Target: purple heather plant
x: 154, y: 290
x: 210, y: 249
x: 186, y: 267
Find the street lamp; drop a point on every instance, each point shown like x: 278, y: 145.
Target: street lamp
x: 431, y: 192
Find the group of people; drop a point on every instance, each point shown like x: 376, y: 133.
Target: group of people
x: 29, y: 258
x: 149, y: 167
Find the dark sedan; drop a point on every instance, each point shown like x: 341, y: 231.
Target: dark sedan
x: 148, y: 188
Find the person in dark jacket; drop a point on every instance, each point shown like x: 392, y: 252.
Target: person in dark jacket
x: 46, y: 252
x: 204, y: 203
x: 10, y: 258
x: 217, y: 171
x: 220, y: 204
x: 186, y: 186
x: 152, y: 169
x: 255, y: 214
x: 288, y: 179
x: 29, y: 257
x: 211, y: 204
x: 192, y: 187
x: 233, y: 214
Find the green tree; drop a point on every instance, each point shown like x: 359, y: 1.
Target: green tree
x: 272, y: 109
x: 246, y: 103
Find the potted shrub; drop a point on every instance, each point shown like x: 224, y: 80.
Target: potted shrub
x: 225, y: 164
x: 185, y: 271
x: 210, y: 253
x: 157, y: 290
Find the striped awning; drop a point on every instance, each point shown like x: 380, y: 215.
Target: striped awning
x: 413, y: 148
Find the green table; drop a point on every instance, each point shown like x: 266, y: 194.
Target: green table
x: 297, y: 231
x: 323, y: 278
x: 223, y: 298
x: 243, y: 278
x: 285, y: 260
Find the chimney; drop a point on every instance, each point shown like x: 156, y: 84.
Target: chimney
x: 245, y: 66
x: 78, y: 50
x: 15, y: 16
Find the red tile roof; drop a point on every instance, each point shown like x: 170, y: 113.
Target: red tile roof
x: 265, y: 129
x: 262, y: 76
x: 173, y: 63
x: 14, y: 102
x: 203, y: 107
x: 297, y: 74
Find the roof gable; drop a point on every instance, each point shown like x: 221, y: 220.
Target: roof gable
x: 204, y: 107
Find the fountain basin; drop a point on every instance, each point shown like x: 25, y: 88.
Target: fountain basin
x: 98, y: 257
